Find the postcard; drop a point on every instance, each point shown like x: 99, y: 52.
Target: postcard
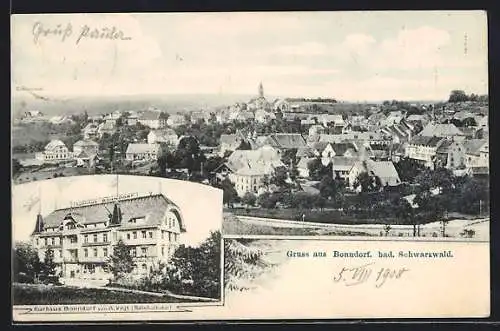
x: 250, y: 165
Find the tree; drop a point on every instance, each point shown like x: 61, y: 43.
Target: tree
x: 317, y: 170
x: 121, y: 262
x: 196, y: 270
x: 328, y: 187
x: 404, y: 212
x: 249, y: 199
x: 26, y: 263
x: 189, y: 154
x: 368, y: 182
x: 162, y: 165
x: 267, y: 200
x: 48, y: 267
x: 16, y: 167
x: 279, y: 176
x: 458, y: 96
x: 230, y: 196
x: 408, y: 169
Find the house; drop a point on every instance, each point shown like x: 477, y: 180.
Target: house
x: 153, y: 119
x: 384, y: 170
x: 167, y: 136
x: 286, y: 141
x: 90, y: 131
x: 84, y: 235
x: 315, y: 130
x: 341, y: 166
x: 302, y: 166
x: 88, y: 146
x: 331, y: 120
x: 451, y: 155
x: 476, y: 153
x: 377, y: 119
x: 443, y: 130
x: 140, y: 151
x: 326, y: 151
x: 132, y: 120
x: 394, y: 117
x: 175, y: 120
x: 106, y: 128
x: 247, y: 168
x: 230, y: 142
x: 424, y: 149
x: 55, y: 151
x: 263, y: 116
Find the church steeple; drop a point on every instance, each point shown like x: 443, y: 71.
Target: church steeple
x: 261, y: 90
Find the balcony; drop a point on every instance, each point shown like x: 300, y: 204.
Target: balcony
x: 70, y: 259
x: 98, y: 243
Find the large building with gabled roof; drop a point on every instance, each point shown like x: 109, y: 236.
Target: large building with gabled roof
x: 83, y: 236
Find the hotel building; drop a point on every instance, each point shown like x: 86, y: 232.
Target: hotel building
x: 83, y: 236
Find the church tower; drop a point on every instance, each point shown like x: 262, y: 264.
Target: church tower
x: 261, y: 90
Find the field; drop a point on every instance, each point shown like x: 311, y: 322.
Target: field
x: 232, y: 225
x: 28, y: 175
x: 29, y: 294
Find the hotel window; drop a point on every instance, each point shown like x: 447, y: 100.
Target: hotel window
x: 144, y: 234
x: 162, y: 251
x: 86, y: 252
x: 135, y: 235
x: 95, y: 252
x: 133, y: 252
x: 128, y: 235
x: 95, y: 237
x: 150, y: 234
x: 53, y: 241
x: 45, y: 242
x: 105, y: 252
x: 73, y: 240
x: 38, y: 242
x: 144, y: 251
x: 105, y: 237
x: 86, y: 238
x: 162, y: 235
x: 60, y: 253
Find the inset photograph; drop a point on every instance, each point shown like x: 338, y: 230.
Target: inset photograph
x: 116, y: 239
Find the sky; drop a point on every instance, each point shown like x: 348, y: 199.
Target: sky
x: 47, y: 195
x: 351, y: 56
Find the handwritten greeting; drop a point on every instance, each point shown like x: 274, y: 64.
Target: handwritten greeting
x: 64, y: 32
x: 351, y: 276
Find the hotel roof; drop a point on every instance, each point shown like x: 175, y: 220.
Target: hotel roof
x: 151, y: 207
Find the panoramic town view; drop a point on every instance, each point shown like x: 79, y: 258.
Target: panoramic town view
x: 362, y: 131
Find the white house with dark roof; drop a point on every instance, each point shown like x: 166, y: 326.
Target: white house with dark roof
x: 443, y: 130
x: 152, y: 119
x: 384, y: 170
x: 424, y: 149
x: 141, y: 151
x: 84, y: 236
x: 55, y: 151
x: 476, y: 153
x: 247, y: 168
x: 167, y: 136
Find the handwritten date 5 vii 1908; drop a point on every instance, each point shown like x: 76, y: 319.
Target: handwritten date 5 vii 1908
x: 366, y: 273
x: 65, y: 32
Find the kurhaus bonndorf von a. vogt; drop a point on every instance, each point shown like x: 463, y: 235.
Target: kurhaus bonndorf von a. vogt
x: 83, y: 236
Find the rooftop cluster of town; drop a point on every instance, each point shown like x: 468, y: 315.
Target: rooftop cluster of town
x: 250, y: 141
